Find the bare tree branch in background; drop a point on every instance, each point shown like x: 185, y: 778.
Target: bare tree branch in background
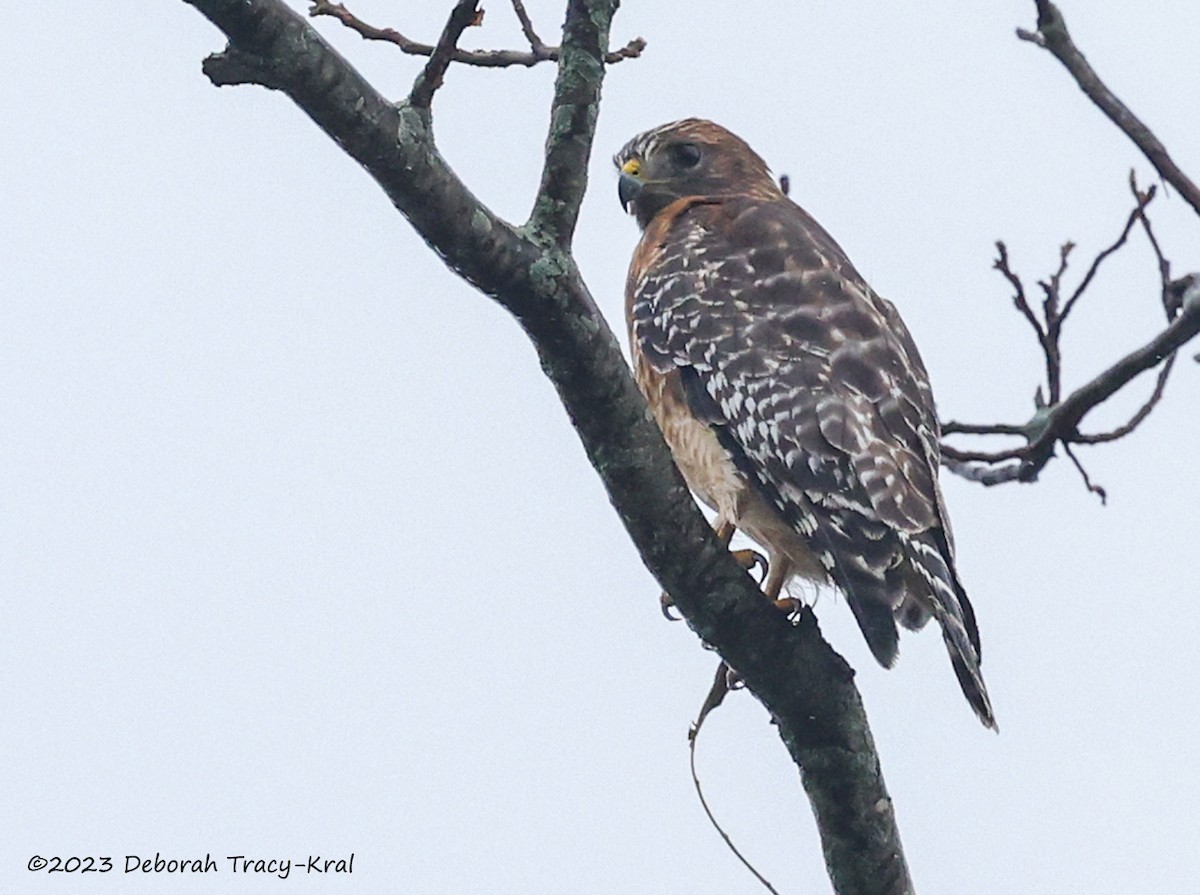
x: 538, y: 51
x: 1056, y: 419
x: 1052, y: 35
x: 529, y: 270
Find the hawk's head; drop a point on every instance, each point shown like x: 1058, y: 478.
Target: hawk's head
x: 692, y: 157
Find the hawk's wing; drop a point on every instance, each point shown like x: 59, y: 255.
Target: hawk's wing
x: 816, y: 389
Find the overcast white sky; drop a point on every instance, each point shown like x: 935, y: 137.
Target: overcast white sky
x: 299, y: 553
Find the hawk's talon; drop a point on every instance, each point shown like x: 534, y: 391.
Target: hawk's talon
x: 751, y: 560
x: 666, y: 604
x: 733, y: 680
x: 790, y: 606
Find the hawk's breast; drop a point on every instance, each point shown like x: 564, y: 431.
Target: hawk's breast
x: 706, y: 466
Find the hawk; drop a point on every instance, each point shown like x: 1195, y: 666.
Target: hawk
x: 791, y: 394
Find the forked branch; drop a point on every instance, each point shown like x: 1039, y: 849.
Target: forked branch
x: 1056, y: 419
x: 1058, y: 422
x: 537, y: 52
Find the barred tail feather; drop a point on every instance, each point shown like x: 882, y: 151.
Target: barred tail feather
x: 966, y: 669
x: 949, y: 605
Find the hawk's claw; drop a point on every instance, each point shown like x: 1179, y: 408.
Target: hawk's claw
x: 666, y: 603
x: 789, y: 605
x: 751, y: 560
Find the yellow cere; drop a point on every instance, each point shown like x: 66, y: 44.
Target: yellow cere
x: 631, y: 167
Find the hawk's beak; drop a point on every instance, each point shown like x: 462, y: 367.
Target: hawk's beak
x: 628, y: 187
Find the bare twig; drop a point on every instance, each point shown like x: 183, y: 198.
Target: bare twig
x: 715, y: 696
x: 1172, y: 297
x: 1032, y: 36
x: 1047, y: 339
x: 1087, y: 480
x: 1019, y: 300
x: 631, y: 50
x: 465, y: 14
x: 536, y: 44
x: 955, y: 428
x: 1160, y: 386
x: 1050, y: 288
x: 367, y: 32
x: 1052, y: 35
x: 961, y: 456
x: 1139, y: 212
x: 1052, y: 320
x: 1164, y: 266
x: 479, y: 58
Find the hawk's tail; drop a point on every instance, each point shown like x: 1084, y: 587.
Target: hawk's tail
x: 949, y: 605
x: 966, y: 668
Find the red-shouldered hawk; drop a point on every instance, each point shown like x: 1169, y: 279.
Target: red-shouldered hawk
x: 791, y: 395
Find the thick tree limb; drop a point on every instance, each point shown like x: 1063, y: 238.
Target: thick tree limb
x: 572, y: 126
x: 804, y: 684
x: 1052, y: 35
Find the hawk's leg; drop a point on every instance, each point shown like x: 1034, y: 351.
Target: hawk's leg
x: 781, y: 569
x: 747, y: 559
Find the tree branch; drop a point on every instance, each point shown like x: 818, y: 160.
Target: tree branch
x: 950, y: 427
x: 1052, y: 35
x: 1060, y: 423
x: 804, y: 684
x: 536, y: 44
x: 465, y: 14
x: 1139, y: 212
x: 1087, y: 479
x: 572, y: 126
x: 981, y: 473
x: 539, y: 52
x: 1020, y: 302
x: 1160, y: 385
x: 1056, y: 421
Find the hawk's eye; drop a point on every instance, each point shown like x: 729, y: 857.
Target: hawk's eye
x: 686, y: 155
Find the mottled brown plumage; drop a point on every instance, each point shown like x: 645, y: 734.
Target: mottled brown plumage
x: 791, y: 395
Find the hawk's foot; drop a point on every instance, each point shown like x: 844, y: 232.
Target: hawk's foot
x: 751, y: 560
